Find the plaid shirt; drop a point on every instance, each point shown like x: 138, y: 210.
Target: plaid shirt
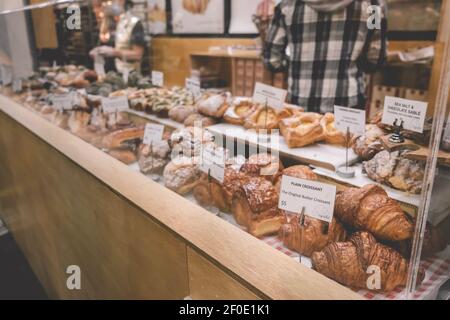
x: 328, y: 53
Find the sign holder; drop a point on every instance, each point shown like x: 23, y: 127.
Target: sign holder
x: 346, y: 171
x: 397, y: 136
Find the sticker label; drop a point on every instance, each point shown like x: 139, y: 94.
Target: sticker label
x: 153, y: 133
x: 158, y: 78
x: 409, y: 113
x: 115, y: 104
x: 317, y: 198
x: 64, y: 101
x: 213, y: 161
x: 193, y: 85
x: 274, y: 97
x: 353, y: 119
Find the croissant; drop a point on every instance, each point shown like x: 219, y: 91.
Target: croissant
x: 351, y: 263
x: 313, y: 235
x: 370, y: 209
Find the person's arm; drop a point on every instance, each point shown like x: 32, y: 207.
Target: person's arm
x: 137, y: 45
x: 375, y: 50
x: 274, y: 54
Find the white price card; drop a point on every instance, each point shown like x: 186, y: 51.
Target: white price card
x: 317, y: 198
x: 193, y: 85
x: 153, y: 133
x: 99, y: 65
x: 213, y: 162
x: 409, y: 112
x: 6, y: 75
x: 353, y: 119
x: 115, y: 104
x: 64, y: 101
x: 17, y: 85
x: 274, y: 97
x: 158, y: 78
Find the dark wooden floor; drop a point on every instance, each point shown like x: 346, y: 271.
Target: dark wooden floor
x: 17, y: 280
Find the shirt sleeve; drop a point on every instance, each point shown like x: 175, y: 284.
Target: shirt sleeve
x: 274, y: 54
x: 138, y: 35
x: 375, y: 52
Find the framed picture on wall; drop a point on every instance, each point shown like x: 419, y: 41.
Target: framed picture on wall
x: 157, y: 20
x: 242, y: 12
x: 198, y: 16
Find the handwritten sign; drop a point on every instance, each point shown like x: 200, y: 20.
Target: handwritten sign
x: 353, y: 119
x: 274, y: 97
x: 115, y: 104
x: 317, y: 198
x: 158, y: 78
x: 153, y: 133
x: 411, y: 113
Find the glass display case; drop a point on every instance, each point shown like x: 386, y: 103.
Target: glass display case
x: 207, y: 146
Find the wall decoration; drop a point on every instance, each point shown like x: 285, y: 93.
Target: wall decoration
x: 198, y: 16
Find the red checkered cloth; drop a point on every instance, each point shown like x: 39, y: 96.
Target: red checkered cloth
x: 437, y: 272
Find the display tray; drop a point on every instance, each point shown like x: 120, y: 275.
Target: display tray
x: 321, y: 155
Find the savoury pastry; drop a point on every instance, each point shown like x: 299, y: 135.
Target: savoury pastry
x: 181, y: 174
x: 332, y: 135
x: 302, y: 130
x: 238, y: 112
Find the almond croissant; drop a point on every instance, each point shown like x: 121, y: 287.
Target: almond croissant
x: 370, y: 209
x: 350, y: 263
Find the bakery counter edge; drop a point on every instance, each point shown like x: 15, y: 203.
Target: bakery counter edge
x: 69, y: 202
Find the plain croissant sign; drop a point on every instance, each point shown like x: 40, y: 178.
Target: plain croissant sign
x: 317, y: 198
x: 408, y: 113
x: 274, y: 97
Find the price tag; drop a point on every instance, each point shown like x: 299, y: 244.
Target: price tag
x: 115, y: 104
x: 274, y: 97
x: 193, y: 85
x: 158, y: 78
x: 317, y: 198
x: 411, y: 113
x: 213, y: 161
x: 99, y: 65
x: 353, y: 119
x: 17, y: 85
x: 153, y: 133
x: 64, y: 101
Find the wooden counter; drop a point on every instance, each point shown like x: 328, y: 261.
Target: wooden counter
x: 68, y: 203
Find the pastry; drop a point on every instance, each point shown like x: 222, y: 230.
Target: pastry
x: 367, y: 146
x: 392, y: 169
x: 263, y: 165
x: 263, y: 118
x: 180, y: 113
x: 307, y: 235
x: 181, y: 174
x: 195, y: 6
x: 370, y: 209
x: 196, y: 119
x: 238, y: 112
x: 153, y: 159
x: 215, y: 105
x: 255, y: 206
x: 126, y: 156
x: 298, y: 171
x: 302, y: 130
x: 189, y: 141
x: 332, y: 135
x: 123, y: 139
x: 351, y: 263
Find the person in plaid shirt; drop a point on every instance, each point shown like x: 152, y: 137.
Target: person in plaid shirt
x: 329, y: 48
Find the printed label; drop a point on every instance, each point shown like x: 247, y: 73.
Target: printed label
x: 409, y: 113
x: 153, y: 133
x: 115, y: 104
x: 274, y: 97
x: 64, y: 101
x: 158, y: 78
x: 353, y: 119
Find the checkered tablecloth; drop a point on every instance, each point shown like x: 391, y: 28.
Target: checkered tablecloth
x: 437, y: 272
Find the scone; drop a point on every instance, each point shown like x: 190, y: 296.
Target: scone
x: 302, y: 130
x: 181, y: 174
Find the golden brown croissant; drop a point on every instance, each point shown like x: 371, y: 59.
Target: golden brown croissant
x: 312, y: 236
x: 370, y: 208
x: 353, y: 263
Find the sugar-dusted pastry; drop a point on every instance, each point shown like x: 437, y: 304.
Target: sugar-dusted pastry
x: 263, y: 165
x: 332, y: 135
x: 196, y: 119
x: 392, y: 169
x: 239, y: 111
x: 181, y: 174
x: 215, y: 105
x: 370, y: 209
x: 153, y: 159
x: 348, y: 263
x: 302, y: 130
x: 255, y: 206
x: 180, y: 113
x: 368, y: 145
x: 307, y: 235
x: 263, y: 118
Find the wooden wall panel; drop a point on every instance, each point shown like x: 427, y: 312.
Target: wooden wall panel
x: 44, y: 26
x: 61, y: 215
x: 172, y: 55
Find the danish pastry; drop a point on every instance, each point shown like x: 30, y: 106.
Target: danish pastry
x: 238, y: 112
x: 302, y: 130
x: 332, y: 135
x: 262, y: 118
